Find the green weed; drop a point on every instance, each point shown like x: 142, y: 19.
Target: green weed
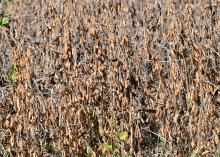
x: 89, y: 150
x: 123, y: 135
x: 110, y: 145
x: 5, y: 19
x: 3, y: 151
x: 196, y: 152
x: 12, y: 75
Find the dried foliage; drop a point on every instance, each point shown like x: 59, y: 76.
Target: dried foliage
x: 150, y: 68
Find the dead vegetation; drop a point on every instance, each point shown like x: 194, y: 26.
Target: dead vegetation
x: 86, y: 70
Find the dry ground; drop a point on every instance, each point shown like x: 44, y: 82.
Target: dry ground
x: 87, y: 70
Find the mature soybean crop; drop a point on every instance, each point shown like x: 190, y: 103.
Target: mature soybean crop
x: 110, y: 78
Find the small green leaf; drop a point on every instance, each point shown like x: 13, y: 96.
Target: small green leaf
x: 90, y: 152
x: 12, y: 76
x: 4, y: 21
x: 123, y: 135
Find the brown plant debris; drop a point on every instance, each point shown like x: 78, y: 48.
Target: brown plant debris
x: 147, y: 67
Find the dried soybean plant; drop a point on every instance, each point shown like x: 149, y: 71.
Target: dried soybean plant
x: 104, y: 78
